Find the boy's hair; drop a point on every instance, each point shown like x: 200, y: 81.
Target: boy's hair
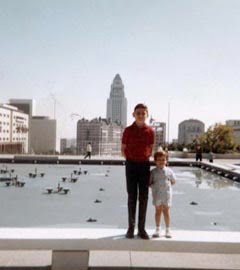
x: 141, y: 106
x: 159, y: 154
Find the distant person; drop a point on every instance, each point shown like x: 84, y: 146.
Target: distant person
x: 199, y: 153
x: 89, y: 151
x: 137, y: 143
x: 210, y: 157
x: 159, y: 147
x: 167, y: 156
x: 161, y: 180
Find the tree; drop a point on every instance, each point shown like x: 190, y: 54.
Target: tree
x: 218, y: 139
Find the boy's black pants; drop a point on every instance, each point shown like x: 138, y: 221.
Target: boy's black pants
x: 137, y: 175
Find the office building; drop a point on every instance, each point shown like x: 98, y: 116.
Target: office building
x: 117, y: 103
x: 159, y: 129
x: 28, y: 107
x: 104, y: 136
x: 67, y: 146
x: 25, y: 105
x: 43, y: 135
x: 14, y: 128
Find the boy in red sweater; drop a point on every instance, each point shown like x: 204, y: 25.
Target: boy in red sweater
x: 137, y: 143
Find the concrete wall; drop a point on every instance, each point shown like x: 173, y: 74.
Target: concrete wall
x: 176, y: 154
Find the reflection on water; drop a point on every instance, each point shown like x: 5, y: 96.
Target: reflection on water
x: 217, y: 213
x: 216, y: 199
x: 205, y: 179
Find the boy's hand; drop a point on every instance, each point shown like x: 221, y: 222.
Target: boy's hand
x: 173, y: 182
x: 150, y: 182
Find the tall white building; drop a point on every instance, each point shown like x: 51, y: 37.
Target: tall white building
x: 190, y: 130
x: 235, y: 125
x: 43, y: 135
x: 14, y: 127
x: 117, y: 103
x: 28, y: 107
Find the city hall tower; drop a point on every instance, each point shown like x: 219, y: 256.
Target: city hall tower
x: 117, y: 103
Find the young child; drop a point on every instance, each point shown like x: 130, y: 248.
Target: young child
x: 161, y: 180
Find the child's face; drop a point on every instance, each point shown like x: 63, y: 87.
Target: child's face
x: 160, y: 162
x: 140, y: 116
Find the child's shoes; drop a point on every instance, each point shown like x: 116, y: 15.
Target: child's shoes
x: 157, y: 233
x: 168, y: 233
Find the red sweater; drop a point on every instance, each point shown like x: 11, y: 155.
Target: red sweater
x: 138, y: 141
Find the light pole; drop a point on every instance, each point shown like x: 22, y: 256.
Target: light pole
x: 100, y: 142
x: 168, y: 122
x: 78, y: 144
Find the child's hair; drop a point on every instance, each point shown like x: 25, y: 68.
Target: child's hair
x: 141, y: 106
x: 160, y: 154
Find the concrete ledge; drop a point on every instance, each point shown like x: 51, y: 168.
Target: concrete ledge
x: 70, y: 260
x: 116, y: 260
x: 102, y: 260
x: 173, y: 260
x: 114, y: 239
x: 25, y: 259
x: 100, y: 249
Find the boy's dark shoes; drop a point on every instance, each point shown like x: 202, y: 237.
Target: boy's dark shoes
x: 130, y: 233
x: 143, y: 234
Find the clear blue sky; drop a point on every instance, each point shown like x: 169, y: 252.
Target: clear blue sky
x: 185, y: 52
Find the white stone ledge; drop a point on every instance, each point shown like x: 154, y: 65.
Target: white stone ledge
x: 25, y: 259
x: 114, y: 239
x: 102, y: 260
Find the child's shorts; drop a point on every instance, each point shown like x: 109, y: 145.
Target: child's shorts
x: 162, y: 199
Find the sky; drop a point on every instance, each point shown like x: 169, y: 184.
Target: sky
x: 176, y: 54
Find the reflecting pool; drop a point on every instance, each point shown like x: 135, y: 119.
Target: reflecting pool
x: 201, y: 200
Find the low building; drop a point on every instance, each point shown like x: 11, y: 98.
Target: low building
x: 189, y: 131
x: 104, y: 136
x: 67, y: 146
x: 159, y: 129
x: 235, y: 125
x: 14, y: 128
x: 63, y: 145
x: 43, y: 135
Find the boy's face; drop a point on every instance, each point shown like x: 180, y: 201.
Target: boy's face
x: 140, y: 116
x: 161, y: 161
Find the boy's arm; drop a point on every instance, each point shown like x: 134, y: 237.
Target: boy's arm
x: 151, y: 141
x: 151, y: 179
x: 151, y: 147
x: 123, y: 148
x: 173, y: 178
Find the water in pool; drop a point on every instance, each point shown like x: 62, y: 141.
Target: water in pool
x: 201, y: 200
